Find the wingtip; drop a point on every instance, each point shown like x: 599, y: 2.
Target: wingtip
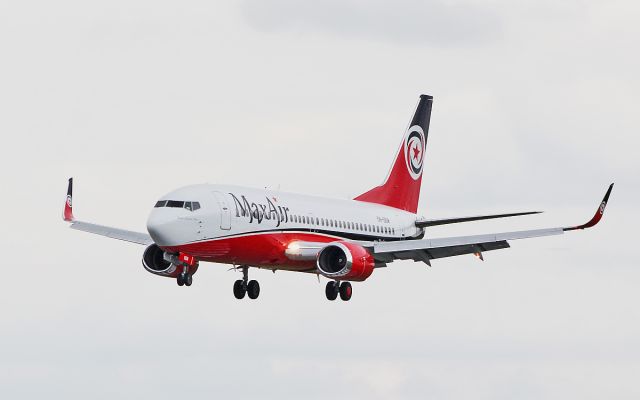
x: 67, y: 214
x: 598, y: 215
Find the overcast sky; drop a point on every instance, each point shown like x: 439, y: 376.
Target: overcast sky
x: 535, y: 107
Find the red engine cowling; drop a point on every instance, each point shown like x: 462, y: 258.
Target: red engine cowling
x: 156, y: 261
x: 345, y: 261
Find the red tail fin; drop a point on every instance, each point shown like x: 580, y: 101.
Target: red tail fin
x: 401, y: 189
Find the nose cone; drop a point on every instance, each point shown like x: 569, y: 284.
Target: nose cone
x: 171, y: 227
x: 159, y: 226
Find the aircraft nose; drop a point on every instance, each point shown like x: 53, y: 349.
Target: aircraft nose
x: 160, y: 226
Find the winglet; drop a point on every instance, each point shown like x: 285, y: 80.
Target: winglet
x: 68, y: 205
x: 597, y: 217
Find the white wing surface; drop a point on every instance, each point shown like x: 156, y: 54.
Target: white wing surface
x: 114, y: 233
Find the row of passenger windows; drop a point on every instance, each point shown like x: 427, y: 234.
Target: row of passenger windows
x: 189, y: 205
x: 332, y: 223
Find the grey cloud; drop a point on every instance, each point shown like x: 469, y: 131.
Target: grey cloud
x: 433, y: 22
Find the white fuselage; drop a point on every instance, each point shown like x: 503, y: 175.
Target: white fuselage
x: 227, y: 211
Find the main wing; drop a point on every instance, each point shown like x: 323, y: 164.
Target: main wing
x: 429, y: 249
x: 114, y: 233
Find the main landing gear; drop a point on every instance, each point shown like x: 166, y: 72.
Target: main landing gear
x: 334, y: 288
x: 245, y: 286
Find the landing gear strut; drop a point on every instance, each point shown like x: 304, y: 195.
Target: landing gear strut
x: 245, y: 286
x: 334, y: 288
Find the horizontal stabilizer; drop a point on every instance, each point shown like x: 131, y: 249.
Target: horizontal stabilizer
x: 423, y: 223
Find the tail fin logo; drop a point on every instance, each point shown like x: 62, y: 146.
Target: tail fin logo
x: 69, y: 201
x: 414, y: 151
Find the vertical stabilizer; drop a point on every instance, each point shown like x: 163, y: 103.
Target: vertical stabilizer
x: 401, y: 189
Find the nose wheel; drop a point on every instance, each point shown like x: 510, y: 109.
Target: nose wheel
x: 184, y: 279
x: 244, y: 286
x: 333, y: 289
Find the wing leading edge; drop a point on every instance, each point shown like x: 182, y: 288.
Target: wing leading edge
x: 114, y: 233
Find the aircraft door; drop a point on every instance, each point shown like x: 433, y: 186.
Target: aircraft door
x: 225, y: 213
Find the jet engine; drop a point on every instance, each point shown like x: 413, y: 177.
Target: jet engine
x: 345, y: 261
x: 159, y: 262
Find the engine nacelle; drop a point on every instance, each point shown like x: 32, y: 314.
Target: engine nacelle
x: 158, y: 262
x: 345, y: 261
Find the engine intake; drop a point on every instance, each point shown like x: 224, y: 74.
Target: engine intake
x: 344, y: 260
x: 154, y: 261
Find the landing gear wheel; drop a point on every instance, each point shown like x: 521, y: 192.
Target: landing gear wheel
x: 346, y: 291
x: 180, y: 280
x: 331, y: 290
x: 188, y: 280
x: 238, y: 289
x: 253, y: 289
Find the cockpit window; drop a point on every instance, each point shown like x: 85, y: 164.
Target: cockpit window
x: 189, y: 205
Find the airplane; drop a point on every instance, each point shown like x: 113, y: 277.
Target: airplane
x: 340, y: 239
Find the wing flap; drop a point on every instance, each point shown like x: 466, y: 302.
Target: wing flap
x: 425, y: 255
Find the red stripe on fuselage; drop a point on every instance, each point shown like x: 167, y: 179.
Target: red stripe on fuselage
x: 261, y: 249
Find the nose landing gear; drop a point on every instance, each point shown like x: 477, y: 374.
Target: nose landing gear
x: 334, y: 288
x: 189, y: 267
x: 245, y: 286
x: 185, y: 278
